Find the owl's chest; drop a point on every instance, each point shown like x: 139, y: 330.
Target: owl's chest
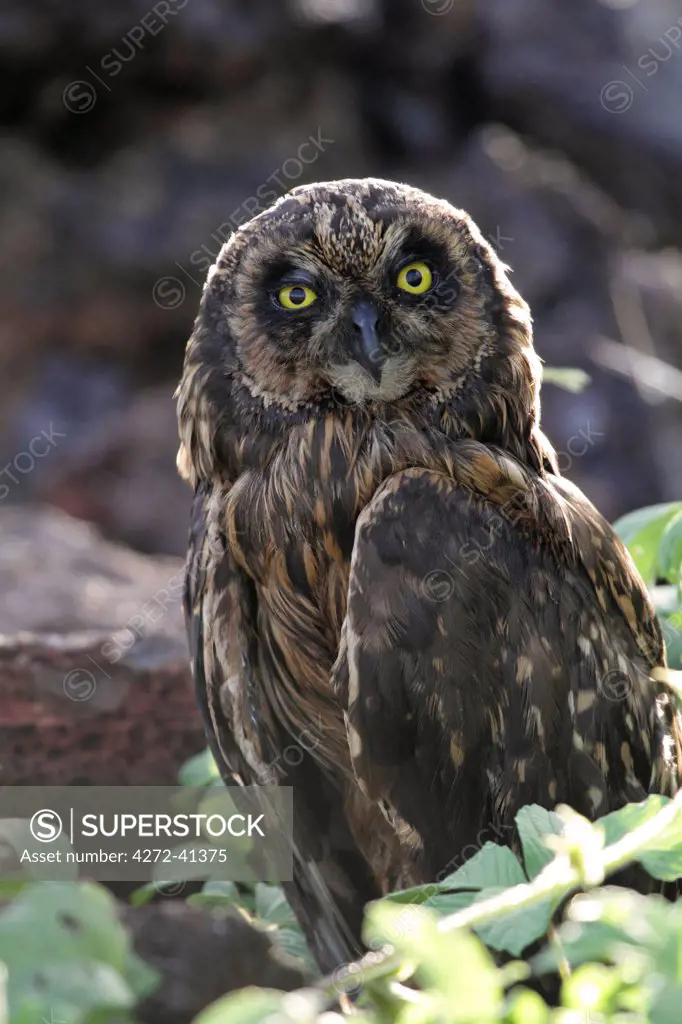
x: 297, y: 515
x: 291, y: 529
x: 293, y: 532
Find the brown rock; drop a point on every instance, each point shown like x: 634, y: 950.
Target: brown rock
x: 94, y: 676
x: 201, y: 957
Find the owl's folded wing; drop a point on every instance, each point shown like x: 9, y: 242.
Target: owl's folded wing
x: 496, y: 652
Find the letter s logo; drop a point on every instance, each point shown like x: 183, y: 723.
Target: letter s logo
x: 45, y: 826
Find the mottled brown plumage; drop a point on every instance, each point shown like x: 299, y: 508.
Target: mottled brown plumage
x: 386, y: 571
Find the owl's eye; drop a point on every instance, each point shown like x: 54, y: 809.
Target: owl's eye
x: 296, y: 296
x: 415, y: 278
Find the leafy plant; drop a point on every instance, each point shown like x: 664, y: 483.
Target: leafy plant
x: 453, y: 979
x: 654, y: 538
x: 67, y: 955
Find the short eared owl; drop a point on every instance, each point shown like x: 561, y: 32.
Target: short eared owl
x: 387, y: 574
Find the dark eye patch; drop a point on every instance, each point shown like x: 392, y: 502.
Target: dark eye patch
x: 445, y: 289
x: 283, y: 273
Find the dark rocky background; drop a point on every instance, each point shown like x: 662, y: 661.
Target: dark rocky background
x: 135, y: 136
x: 132, y: 133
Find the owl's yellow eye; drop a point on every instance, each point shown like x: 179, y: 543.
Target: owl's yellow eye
x: 296, y: 296
x: 415, y: 278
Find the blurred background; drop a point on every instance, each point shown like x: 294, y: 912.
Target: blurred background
x: 137, y: 136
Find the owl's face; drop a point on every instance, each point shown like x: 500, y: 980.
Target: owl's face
x: 361, y: 291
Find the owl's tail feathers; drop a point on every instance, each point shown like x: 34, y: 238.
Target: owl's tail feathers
x: 332, y: 880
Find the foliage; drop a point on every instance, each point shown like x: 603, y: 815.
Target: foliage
x: 618, y: 952
x: 568, y: 378
x: 267, y: 908
x: 68, y: 956
x: 654, y: 538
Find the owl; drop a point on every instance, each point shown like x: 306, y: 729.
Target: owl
x: 395, y: 603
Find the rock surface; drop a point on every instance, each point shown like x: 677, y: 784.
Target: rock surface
x: 201, y: 956
x: 94, y: 669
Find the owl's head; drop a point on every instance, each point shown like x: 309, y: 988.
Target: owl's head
x: 363, y: 292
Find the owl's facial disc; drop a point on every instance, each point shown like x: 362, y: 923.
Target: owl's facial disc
x: 352, y: 331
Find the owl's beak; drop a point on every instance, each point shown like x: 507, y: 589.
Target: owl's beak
x: 366, y: 348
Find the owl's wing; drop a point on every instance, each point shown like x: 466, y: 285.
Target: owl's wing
x: 496, y: 652
x: 234, y: 768
x: 332, y: 881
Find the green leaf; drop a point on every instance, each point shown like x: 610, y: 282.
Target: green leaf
x: 672, y: 632
x: 662, y: 856
x: 642, y: 531
x: 535, y: 824
x: 527, y: 1007
x: 445, y: 903
x: 607, y: 924
x: 200, y: 770
x: 670, y: 550
x: 452, y: 966
x: 264, y: 1006
x: 619, y: 823
x: 249, y: 1006
x: 665, y: 1004
x: 416, y: 894
x: 217, y: 893
x: 663, y: 859
x: 272, y: 908
x: 568, y: 378
x: 514, y: 931
x: 143, y: 895
x: 293, y: 944
x: 68, y: 954
x: 591, y: 988
x: 490, y: 871
x: 493, y: 866
x: 272, y: 905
